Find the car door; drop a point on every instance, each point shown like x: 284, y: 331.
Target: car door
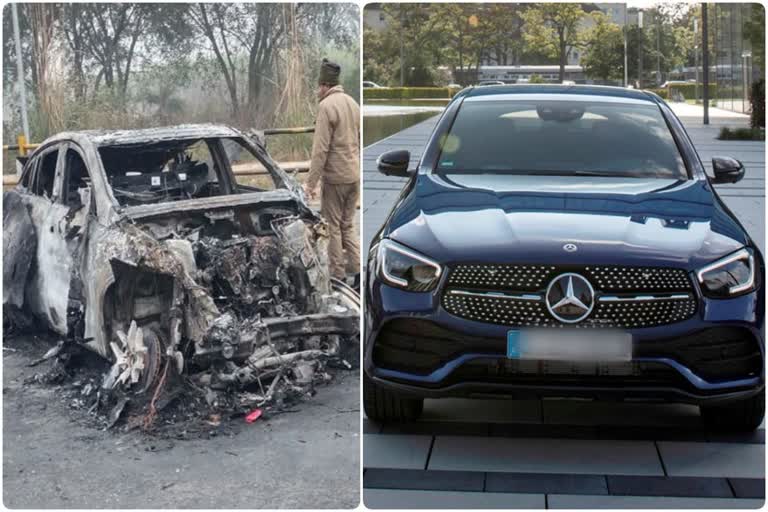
x: 60, y: 218
x: 19, y: 244
x: 38, y: 198
x: 62, y: 237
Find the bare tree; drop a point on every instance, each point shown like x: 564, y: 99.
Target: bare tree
x: 139, y: 64
x: 246, y: 39
x: 258, y: 29
x: 74, y: 31
x: 109, y: 36
x: 42, y: 18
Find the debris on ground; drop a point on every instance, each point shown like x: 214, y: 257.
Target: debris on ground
x: 253, y: 416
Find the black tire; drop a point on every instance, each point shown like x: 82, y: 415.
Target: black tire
x: 385, y: 406
x: 742, y: 416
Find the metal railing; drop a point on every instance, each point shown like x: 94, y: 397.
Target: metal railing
x: 21, y: 146
x: 246, y: 169
x: 289, y: 131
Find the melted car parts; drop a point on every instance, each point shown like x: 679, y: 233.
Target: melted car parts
x: 141, y: 246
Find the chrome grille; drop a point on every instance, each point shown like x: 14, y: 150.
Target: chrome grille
x: 625, y: 297
x: 510, y: 277
x: 645, y: 313
x: 496, y: 310
x: 648, y: 279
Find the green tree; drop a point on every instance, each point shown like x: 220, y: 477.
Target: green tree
x: 666, y: 41
x: 410, y: 45
x: 457, y: 36
x: 754, y: 31
x: 603, y: 57
x: 459, y: 25
x: 503, y: 32
x: 377, y: 58
x: 554, y: 28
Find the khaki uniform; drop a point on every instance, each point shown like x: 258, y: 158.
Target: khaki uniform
x: 336, y: 159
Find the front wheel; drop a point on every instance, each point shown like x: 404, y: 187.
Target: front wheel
x: 386, y: 406
x: 742, y: 416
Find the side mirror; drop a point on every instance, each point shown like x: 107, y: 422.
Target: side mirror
x: 727, y: 169
x: 394, y: 163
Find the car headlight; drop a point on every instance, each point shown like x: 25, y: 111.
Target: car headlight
x: 729, y: 276
x: 405, y: 268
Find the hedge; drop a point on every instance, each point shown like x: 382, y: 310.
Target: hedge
x: 689, y: 90
x: 741, y: 134
x: 405, y: 93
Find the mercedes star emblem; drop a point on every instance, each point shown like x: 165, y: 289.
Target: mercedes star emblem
x: 570, y: 298
x: 570, y: 248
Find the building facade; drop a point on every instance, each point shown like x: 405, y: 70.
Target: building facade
x: 523, y: 74
x: 374, y: 17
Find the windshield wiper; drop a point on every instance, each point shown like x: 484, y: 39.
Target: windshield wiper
x: 535, y: 172
x: 598, y: 173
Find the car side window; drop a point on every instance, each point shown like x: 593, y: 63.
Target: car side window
x: 46, y: 174
x: 250, y: 172
x: 28, y: 175
x: 76, y: 179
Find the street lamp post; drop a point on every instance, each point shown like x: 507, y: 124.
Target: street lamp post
x: 20, y: 72
x: 696, y: 58
x: 402, y: 52
x: 658, y: 48
x: 705, y: 60
x: 745, y: 56
x: 626, y: 71
x: 640, y: 50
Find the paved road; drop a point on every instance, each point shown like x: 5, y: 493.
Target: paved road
x: 305, y: 459
x: 557, y: 453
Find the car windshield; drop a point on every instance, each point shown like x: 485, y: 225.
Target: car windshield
x: 561, y: 138
x: 161, y: 171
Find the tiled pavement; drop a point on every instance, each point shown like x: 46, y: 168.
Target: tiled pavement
x: 558, y: 453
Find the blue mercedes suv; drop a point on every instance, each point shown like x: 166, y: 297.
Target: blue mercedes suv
x: 563, y: 241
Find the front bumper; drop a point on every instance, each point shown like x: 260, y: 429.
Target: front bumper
x: 478, y: 366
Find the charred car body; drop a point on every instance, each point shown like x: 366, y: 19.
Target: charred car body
x: 142, y: 246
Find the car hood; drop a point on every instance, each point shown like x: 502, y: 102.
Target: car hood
x: 529, y: 219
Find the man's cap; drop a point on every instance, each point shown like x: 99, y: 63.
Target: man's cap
x: 329, y: 73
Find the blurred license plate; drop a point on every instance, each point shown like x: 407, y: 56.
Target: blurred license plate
x: 570, y: 345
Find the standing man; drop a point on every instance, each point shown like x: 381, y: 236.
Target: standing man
x: 336, y: 159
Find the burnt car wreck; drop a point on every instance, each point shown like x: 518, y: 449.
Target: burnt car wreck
x: 141, y: 246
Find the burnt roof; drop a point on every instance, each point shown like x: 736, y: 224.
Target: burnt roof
x: 148, y: 135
